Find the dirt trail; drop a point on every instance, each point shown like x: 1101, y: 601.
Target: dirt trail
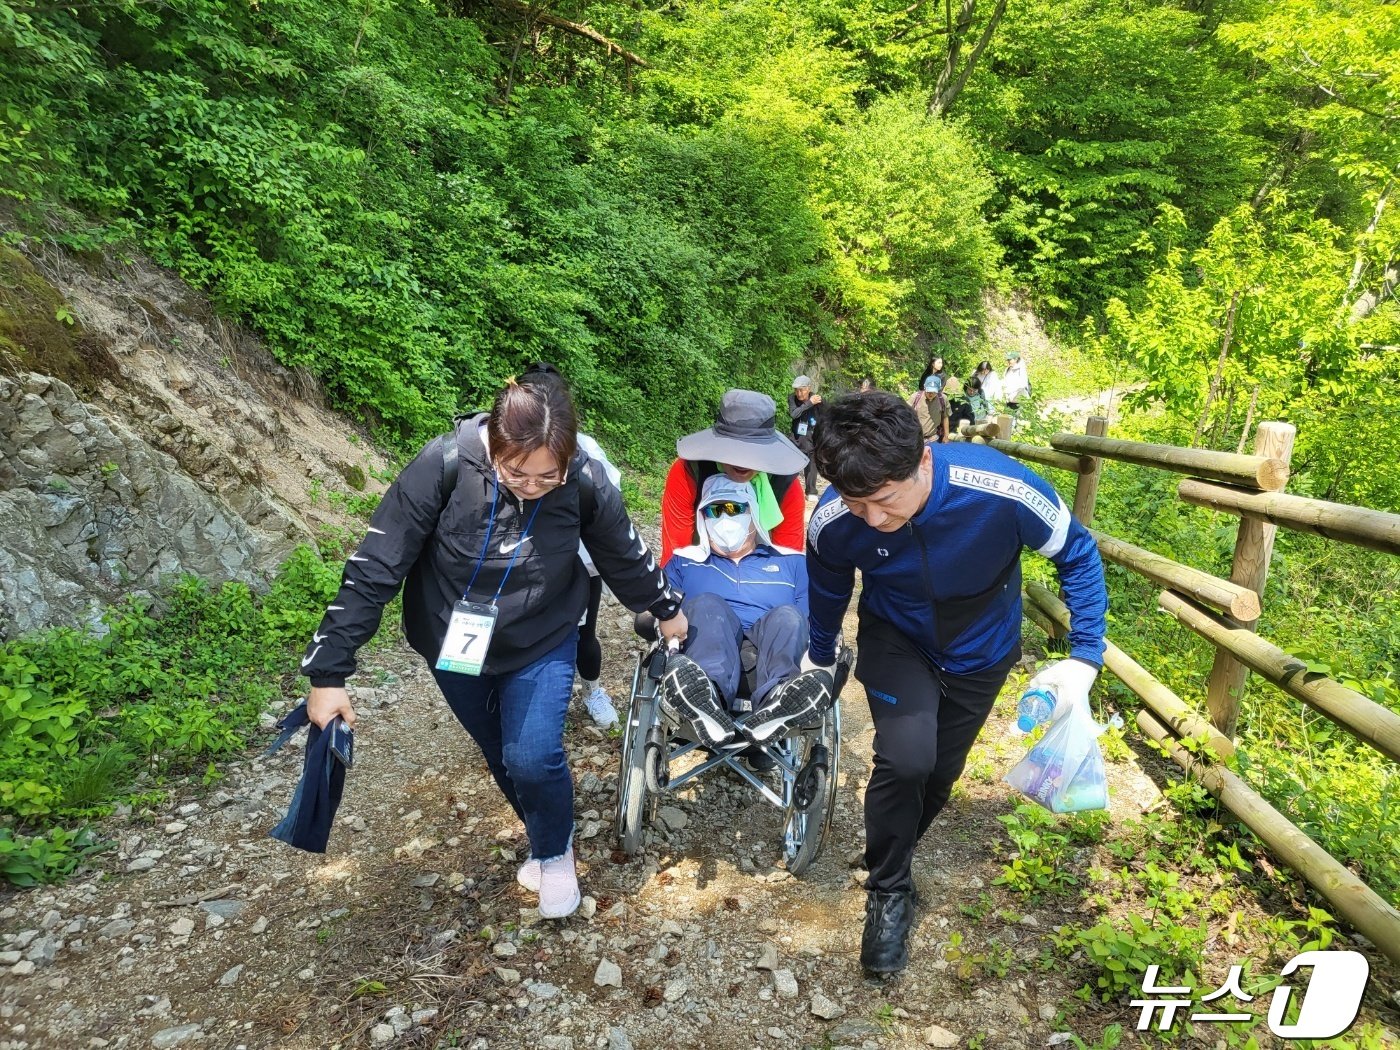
x: 411, y: 930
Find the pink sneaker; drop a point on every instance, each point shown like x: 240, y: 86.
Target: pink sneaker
x: 559, y: 895
x: 529, y: 875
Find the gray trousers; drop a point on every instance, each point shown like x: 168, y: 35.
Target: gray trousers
x: 717, y: 640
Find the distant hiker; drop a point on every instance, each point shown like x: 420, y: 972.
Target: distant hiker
x: 804, y: 408
x: 1015, y: 384
x: 932, y: 410
x: 867, y: 384
x: 991, y: 383
x: 744, y: 445
x: 977, y: 401
x: 493, y: 593
x: 934, y: 367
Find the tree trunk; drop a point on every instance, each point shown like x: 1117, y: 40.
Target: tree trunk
x: 1214, y: 390
x: 945, y: 94
x: 1249, y: 417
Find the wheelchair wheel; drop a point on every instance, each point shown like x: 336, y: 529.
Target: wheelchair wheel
x: 634, y: 802
x: 812, y: 796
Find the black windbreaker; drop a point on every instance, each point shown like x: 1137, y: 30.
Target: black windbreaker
x: 434, y: 555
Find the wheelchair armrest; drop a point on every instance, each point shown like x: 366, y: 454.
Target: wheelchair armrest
x: 645, y: 626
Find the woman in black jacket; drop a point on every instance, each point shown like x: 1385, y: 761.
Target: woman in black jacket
x: 493, y: 593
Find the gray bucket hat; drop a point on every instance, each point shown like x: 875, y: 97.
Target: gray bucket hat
x: 745, y: 436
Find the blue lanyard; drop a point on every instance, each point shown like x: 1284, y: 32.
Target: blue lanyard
x: 490, y: 527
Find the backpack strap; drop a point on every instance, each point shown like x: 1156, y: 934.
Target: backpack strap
x: 451, y: 461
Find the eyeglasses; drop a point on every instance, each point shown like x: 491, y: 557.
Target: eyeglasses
x: 725, y: 508
x: 521, y: 481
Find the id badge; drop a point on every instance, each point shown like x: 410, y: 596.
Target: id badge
x: 468, y: 638
x: 802, y: 430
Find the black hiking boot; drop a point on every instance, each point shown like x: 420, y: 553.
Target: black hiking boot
x: 884, y: 944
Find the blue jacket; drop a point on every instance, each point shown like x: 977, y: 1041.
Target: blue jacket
x: 951, y: 579
x: 762, y: 580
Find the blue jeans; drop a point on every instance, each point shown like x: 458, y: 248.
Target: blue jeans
x: 517, y: 719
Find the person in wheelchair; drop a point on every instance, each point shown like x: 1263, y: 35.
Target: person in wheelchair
x: 742, y: 592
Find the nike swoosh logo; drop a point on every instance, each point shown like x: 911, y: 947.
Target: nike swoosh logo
x: 307, y: 659
x: 318, y: 638
x: 377, y: 532
x: 356, y: 557
x: 506, y: 548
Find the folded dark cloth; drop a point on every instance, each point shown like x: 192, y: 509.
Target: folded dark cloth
x: 307, y: 824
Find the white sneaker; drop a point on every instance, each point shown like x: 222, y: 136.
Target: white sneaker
x: 559, y: 895
x: 529, y: 875
x: 600, y: 708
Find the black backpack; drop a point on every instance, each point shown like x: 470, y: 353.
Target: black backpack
x: 451, y: 461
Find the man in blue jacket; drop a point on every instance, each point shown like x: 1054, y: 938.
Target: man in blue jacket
x: 937, y: 534
x: 740, y: 587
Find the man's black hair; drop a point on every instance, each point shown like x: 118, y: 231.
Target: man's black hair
x: 867, y: 440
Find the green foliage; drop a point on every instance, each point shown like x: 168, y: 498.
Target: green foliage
x: 87, y: 720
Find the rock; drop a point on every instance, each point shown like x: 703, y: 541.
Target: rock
x: 414, y: 817
x: 826, y: 1009
x: 175, y: 827
x: 507, y: 975
x: 23, y: 968
x: 785, y: 984
x: 675, y: 990
x: 671, y: 928
x: 381, y: 1034
x: 182, y: 927
x: 117, y: 930
x: 1059, y: 1038
x: 542, y: 990
x: 1047, y: 1011
x: 423, y: 1016
x: 674, y: 819
x: 935, y: 1035
x: 43, y: 951
x: 608, y: 975
x: 426, y: 882
x: 588, y: 908
x: 854, y: 1031
x: 557, y: 1042
x: 141, y: 864
x: 231, y: 975
x: 10, y: 958
x: 617, y: 1039
x: 503, y: 949
x: 224, y: 909
x: 767, y: 957
x: 259, y: 926
x: 169, y: 1037
x: 355, y: 823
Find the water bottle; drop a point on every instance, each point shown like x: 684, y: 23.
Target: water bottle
x: 1034, y: 709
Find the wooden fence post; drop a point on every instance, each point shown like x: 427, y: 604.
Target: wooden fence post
x: 1086, y: 489
x: 1254, y: 546
x: 1004, y: 427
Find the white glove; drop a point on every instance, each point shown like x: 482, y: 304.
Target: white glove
x: 1069, y: 681
x: 808, y: 665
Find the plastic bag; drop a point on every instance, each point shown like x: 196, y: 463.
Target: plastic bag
x: 1064, y: 771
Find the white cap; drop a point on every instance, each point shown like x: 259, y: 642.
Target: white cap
x: 801, y: 381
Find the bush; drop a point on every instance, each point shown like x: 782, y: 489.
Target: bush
x: 169, y: 687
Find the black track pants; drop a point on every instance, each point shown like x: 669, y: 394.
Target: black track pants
x: 925, y: 724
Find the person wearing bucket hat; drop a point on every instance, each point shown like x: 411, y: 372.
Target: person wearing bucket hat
x: 804, y: 408
x: 932, y: 410
x: 745, y: 446
x: 739, y: 587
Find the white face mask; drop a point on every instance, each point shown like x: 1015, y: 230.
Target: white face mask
x: 730, y: 532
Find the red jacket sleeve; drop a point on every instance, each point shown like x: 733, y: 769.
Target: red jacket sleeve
x: 677, y: 510
x: 791, y: 532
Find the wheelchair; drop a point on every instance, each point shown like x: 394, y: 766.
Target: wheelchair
x: 653, y: 738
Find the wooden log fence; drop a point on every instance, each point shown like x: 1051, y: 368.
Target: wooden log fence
x: 1260, y: 472
x: 1356, y: 902
x: 1247, y: 486
x: 1239, y: 602
x: 1375, y: 529
x: 1357, y: 714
